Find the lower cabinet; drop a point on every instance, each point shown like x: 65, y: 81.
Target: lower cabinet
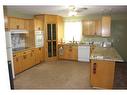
x: 26, y: 59
x: 39, y: 57
x: 17, y: 60
x: 70, y: 52
x: 26, y: 62
x: 102, y: 73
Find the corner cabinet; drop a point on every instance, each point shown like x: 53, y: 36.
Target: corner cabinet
x: 102, y: 73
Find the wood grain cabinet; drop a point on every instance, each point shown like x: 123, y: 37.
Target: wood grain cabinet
x: 16, y: 23
x: 17, y: 60
x: 38, y: 25
x: 102, y: 73
x: 70, y: 52
x: 106, y: 26
x: 26, y: 60
x: 39, y: 55
x: 89, y: 28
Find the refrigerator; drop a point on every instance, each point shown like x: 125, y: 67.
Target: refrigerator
x: 10, y: 58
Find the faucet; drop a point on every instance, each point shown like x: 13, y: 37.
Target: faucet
x: 73, y: 39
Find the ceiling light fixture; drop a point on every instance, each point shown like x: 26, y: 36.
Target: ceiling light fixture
x: 72, y: 11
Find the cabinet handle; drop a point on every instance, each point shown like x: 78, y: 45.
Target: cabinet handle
x: 94, y: 68
x: 14, y: 55
x: 31, y: 54
x: 24, y: 56
x: 16, y: 59
x: 39, y: 28
x: 70, y: 50
x: 17, y: 26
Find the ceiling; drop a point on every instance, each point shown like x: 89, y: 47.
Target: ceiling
x: 64, y: 10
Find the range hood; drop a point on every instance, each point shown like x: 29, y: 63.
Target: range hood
x: 18, y: 31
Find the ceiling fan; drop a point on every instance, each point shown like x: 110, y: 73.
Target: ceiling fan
x: 73, y: 10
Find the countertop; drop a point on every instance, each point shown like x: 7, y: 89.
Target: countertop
x: 22, y: 49
x: 71, y: 44
x: 109, y: 54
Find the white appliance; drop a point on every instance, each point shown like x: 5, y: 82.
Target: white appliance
x: 83, y: 53
x: 39, y: 39
x: 9, y: 51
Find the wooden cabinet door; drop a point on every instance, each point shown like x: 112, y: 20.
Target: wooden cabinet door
x: 92, y: 30
x: 98, y: 27
x: 26, y: 24
x: 37, y: 24
x: 16, y: 23
x: 37, y: 56
x: 102, y: 74
x: 6, y: 22
x: 106, y: 26
x: 26, y: 60
x: 12, y: 23
x: 41, y: 51
x: 85, y: 27
x: 60, y: 29
x: 75, y: 53
x: 17, y: 60
x: 66, y: 52
x: 20, y: 23
x: 89, y: 28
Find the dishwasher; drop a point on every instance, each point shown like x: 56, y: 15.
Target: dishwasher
x: 84, y: 53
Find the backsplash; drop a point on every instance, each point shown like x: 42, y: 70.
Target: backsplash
x: 96, y: 40
x: 18, y: 41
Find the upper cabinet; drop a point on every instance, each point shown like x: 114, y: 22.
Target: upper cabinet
x: 97, y: 27
x: 6, y: 22
x: 89, y: 28
x: 60, y: 23
x: 16, y: 23
x: 38, y: 23
x: 106, y: 26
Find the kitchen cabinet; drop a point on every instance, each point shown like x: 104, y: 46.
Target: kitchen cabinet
x: 98, y: 27
x: 6, y: 22
x: 60, y: 28
x: 102, y: 73
x: 39, y: 55
x: 89, y: 28
x: 106, y: 26
x: 38, y: 23
x: 27, y: 24
x: 26, y: 62
x: 16, y: 23
x: 69, y: 52
x: 30, y: 36
x: 17, y: 60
